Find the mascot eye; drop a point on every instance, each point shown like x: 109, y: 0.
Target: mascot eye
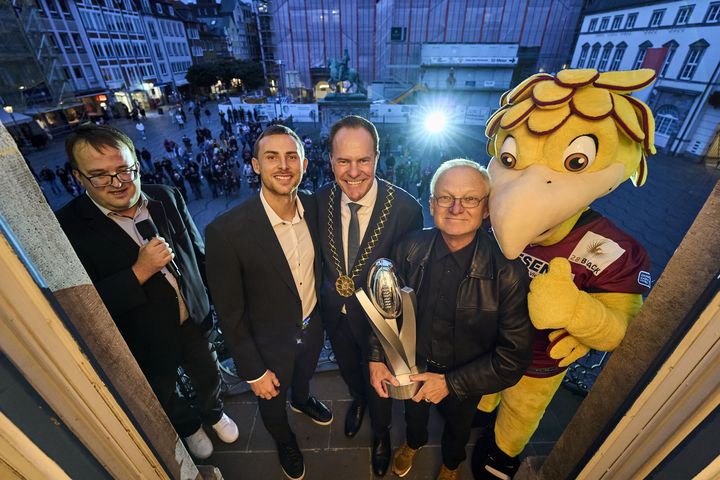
x: 576, y: 162
x: 507, y: 160
x: 580, y: 154
x: 508, y: 153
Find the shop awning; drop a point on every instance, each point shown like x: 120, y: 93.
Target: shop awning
x: 19, y: 118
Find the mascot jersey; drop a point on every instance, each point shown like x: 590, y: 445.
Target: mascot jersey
x: 603, y: 258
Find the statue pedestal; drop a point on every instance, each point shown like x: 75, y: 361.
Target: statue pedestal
x: 338, y: 105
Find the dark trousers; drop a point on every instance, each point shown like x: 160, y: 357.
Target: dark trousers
x: 273, y: 412
x: 351, y: 355
x: 199, y: 364
x: 458, y: 415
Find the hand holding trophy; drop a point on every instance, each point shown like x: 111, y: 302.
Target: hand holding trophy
x: 385, y: 303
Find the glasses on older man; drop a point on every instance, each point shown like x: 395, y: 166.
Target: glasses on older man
x: 125, y: 175
x: 447, y: 201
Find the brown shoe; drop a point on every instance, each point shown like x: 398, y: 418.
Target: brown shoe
x: 403, y: 460
x: 447, y: 474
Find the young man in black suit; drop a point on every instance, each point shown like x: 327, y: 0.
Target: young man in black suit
x: 361, y: 217
x: 263, y: 270
x: 158, y: 311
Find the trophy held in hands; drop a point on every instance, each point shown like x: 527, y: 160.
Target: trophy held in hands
x: 387, y: 301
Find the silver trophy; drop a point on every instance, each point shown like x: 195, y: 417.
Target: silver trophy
x: 387, y: 301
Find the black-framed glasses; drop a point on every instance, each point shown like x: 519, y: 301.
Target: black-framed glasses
x: 447, y: 201
x: 126, y: 175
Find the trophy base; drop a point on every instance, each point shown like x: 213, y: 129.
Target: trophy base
x: 405, y: 391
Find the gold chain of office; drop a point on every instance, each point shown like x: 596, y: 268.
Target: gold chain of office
x: 345, y: 285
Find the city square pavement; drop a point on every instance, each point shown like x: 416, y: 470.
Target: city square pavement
x: 658, y: 215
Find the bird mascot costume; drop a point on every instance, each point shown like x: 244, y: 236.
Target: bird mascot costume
x: 558, y: 143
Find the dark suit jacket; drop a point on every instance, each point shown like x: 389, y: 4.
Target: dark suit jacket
x: 405, y: 216
x: 253, y: 290
x: 147, y: 315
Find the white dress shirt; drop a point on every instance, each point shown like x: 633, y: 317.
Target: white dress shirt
x: 296, y: 243
x: 129, y: 226
x: 367, y: 204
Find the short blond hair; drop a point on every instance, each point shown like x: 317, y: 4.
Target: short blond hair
x: 457, y: 163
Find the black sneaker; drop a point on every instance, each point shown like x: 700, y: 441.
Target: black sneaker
x: 315, y: 409
x: 291, y: 460
x: 499, y: 465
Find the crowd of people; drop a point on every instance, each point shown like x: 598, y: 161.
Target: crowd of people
x: 219, y: 162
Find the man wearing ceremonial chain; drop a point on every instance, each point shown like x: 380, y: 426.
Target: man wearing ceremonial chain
x: 361, y: 218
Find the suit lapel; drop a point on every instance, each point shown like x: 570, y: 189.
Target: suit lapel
x: 311, y: 218
x: 159, y: 218
x: 106, y: 227
x: 337, y: 225
x: 268, y: 242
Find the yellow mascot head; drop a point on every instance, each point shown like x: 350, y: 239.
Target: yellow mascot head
x: 559, y: 142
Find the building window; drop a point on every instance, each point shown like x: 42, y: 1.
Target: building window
x: 153, y: 32
x: 605, y: 56
x: 683, y: 15
x: 398, y: 34
x: 158, y: 52
x: 158, y: 7
x: 640, y: 58
x: 617, y: 22
x: 604, y: 22
x: 656, y: 18
x: 672, y: 47
x: 78, y: 43
x: 713, y: 13
x: 64, y: 7
x: 593, y: 25
x: 593, y: 55
x: 666, y: 120
x: 92, y: 78
x: 78, y: 72
x: 65, y: 40
x: 54, y: 43
x: 617, y: 58
x: 687, y: 72
x: 630, y: 22
x: 52, y: 8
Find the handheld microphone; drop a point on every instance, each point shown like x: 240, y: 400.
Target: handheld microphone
x: 148, y: 230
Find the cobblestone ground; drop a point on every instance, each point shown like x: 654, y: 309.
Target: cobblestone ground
x: 658, y: 215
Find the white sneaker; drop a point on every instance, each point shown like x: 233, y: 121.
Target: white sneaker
x: 199, y: 444
x: 226, y: 429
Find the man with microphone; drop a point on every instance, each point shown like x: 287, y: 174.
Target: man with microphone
x: 146, y: 259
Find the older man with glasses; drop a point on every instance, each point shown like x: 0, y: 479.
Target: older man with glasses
x: 473, y: 331
x: 152, y: 281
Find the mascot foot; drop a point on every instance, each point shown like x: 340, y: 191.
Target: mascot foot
x: 490, y: 463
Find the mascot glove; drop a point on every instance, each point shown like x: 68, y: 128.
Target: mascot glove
x: 566, y: 347
x: 553, y: 296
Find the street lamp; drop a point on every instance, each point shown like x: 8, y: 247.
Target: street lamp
x: 282, y: 79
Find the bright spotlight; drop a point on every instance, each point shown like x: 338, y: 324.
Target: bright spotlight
x: 435, y: 122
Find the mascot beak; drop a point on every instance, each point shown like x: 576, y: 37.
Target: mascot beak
x: 527, y: 205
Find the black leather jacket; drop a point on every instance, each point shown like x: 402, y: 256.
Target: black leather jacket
x: 493, y: 334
